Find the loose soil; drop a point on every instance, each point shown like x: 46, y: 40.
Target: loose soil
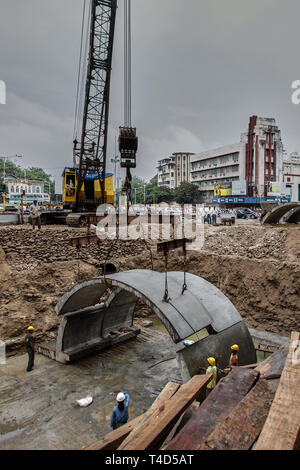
x: 256, y: 266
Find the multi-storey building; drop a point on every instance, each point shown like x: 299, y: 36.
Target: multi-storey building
x: 263, y: 155
x: 291, y: 175
x: 166, y: 172
x: 244, y: 169
x: 174, y: 170
x: 220, y: 167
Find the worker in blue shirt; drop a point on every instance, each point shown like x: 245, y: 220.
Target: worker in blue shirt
x: 120, y: 411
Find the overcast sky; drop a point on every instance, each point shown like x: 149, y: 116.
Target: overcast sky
x: 199, y: 70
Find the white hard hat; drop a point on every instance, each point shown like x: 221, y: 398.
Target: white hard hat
x: 120, y: 397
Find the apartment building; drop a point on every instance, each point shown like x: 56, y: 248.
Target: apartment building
x: 166, y: 172
x: 174, y: 170
x: 218, y: 167
x: 246, y: 168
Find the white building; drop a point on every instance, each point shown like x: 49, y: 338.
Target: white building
x: 166, y: 172
x: 174, y: 170
x: 219, y: 166
x: 34, y: 190
x: 242, y: 169
x: 291, y: 175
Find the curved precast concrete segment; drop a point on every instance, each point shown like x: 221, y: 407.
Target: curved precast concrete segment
x: 87, y: 322
x: 200, y: 306
x: 276, y: 214
x: 83, y: 295
x: 293, y: 216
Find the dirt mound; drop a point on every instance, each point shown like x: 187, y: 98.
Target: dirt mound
x: 257, y: 267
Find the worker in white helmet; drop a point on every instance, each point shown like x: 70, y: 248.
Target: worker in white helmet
x: 120, y: 411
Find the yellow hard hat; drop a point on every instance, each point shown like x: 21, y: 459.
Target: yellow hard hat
x: 30, y: 328
x: 235, y: 347
x: 211, y: 361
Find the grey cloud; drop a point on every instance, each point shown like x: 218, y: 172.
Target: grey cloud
x: 200, y: 69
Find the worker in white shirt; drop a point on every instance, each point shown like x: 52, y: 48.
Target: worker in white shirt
x: 214, y: 216
x: 35, y: 215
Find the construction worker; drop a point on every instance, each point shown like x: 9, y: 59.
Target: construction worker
x: 234, y: 356
x: 212, y: 369
x: 35, y: 215
x: 120, y: 411
x: 29, y: 344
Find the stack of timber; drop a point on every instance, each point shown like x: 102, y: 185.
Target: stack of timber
x: 282, y: 427
x: 256, y: 406
x: 240, y: 402
x: 217, y: 406
x: 249, y: 416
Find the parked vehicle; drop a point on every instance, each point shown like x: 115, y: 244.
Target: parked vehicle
x: 246, y: 214
x: 11, y: 209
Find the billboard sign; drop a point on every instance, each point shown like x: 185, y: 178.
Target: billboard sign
x: 223, y: 190
x: 276, y: 188
x: 239, y: 188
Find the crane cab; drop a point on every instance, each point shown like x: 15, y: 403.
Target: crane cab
x: 90, y: 191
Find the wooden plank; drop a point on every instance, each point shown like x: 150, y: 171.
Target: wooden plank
x: 250, y: 366
x: 180, y: 423
x: 282, y: 428
x: 274, y: 364
x: 154, y: 430
x: 112, y: 440
x: 115, y: 438
x: 241, y: 428
x: 170, y: 389
x: 217, y: 406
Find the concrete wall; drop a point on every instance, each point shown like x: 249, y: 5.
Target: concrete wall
x: 192, y: 358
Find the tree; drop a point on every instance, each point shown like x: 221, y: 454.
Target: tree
x: 187, y: 193
x: 156, y: 194
x: 32, y: 174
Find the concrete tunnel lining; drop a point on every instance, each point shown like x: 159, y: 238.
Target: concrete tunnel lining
x: 200, y: 306
x: 293, y: 216
x: 277, y: 213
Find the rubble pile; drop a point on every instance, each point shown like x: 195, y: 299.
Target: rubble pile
x: 25, y: 248
x: 247, y: 241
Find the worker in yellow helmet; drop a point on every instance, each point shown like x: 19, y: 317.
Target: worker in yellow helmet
x: 234, y: 356
x: 29, y: 344
x: 212, y: 369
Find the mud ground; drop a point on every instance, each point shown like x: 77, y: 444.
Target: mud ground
x: 38, y: 408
